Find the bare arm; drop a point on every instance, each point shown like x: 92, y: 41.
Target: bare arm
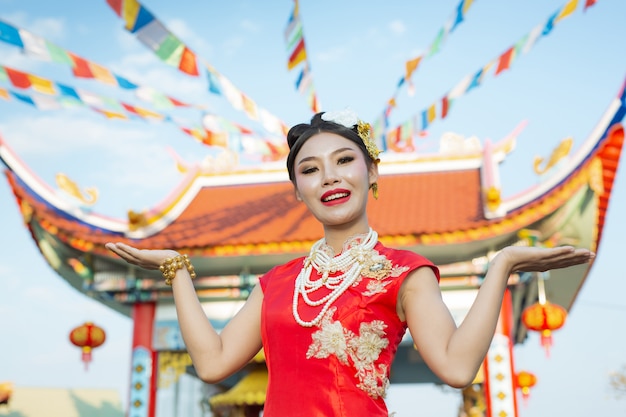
x: 215, y: 355
x: 455, y: 354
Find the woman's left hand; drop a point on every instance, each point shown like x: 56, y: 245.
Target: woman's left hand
x: 531, y: 259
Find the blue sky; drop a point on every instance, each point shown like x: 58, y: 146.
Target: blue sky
x: 357, y: 52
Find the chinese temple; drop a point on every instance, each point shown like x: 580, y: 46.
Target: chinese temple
x: 235, y: 226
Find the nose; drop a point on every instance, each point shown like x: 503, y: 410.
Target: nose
x: 330, y: 176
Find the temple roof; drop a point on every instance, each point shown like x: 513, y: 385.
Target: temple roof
x: 236, y: 226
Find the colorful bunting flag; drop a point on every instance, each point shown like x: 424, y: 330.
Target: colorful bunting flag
x: 296, y: 50
x: 41, y: 85
x: 171, y: 50
x: 411, y: 65
x: 9, y: 34
x: 504, y: 61
x: 567, y: 10
x: 222, y: 132
x: 81, y: 67
x: 37, y: 47
x: 297, y: 56
x: 18, y: 78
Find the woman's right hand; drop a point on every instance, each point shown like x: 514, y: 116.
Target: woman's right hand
x: 144, y: 258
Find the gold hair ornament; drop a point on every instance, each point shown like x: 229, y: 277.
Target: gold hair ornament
x: 363, y: 129
x: 348, y: 118
x: 169, y: 267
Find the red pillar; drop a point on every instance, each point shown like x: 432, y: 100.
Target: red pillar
x: 144, y: 362
x: 499, y: 369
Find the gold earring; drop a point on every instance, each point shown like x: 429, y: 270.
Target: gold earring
x: 374, y: 188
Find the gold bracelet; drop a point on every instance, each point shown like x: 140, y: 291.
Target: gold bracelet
x: 169, y: 267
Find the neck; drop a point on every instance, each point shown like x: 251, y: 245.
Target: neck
x: 336, y: 236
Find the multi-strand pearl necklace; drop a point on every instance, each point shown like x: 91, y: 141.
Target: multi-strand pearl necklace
x: 349, y: 262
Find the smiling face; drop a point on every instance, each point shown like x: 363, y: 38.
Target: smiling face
x: 332, y: 177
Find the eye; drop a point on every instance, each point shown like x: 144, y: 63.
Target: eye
x: 308, y: 170
x: 345, y: 160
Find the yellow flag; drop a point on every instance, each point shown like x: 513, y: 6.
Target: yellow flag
x: 113, y: 115
x: 41, y: 85
x: 100, y: 73
x: 432, y: 113
x: 568, y: 9
x: 129, y: 13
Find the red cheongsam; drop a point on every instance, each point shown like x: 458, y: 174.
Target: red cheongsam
x: 340, y: 367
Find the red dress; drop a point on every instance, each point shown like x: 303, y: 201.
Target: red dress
x: 339, y: 367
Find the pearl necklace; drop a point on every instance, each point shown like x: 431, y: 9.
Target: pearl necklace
x: 349, y: 262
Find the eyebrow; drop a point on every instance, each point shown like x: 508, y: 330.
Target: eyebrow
x: 309, y: 158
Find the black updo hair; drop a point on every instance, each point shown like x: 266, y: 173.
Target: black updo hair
x: 300, y: 133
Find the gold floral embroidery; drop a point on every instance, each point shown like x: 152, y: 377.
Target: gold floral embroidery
x: 376, y: 287
x: 361, y: 350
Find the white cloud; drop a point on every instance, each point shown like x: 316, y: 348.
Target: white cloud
x: 132, y: 155
x: 332, y: 55
x: 59, y: 134
x: 249, y: 26
x: 397, y: 27
x: 232, y: 45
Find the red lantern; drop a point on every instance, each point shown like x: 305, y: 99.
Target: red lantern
x: 544, y: 318
x: 525, y: 381
x: 87, y: 337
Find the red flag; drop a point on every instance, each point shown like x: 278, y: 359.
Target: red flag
x: 589, y: 3
x: 315, y: 105
x: 177, y: 103
x: 116, y: 5
x: 188, y: 62
x: 129, y: 108
x: 298, y: 55
x: 244, y: 130
x: 444, y: 107
x: 505, y: 60
x: 18, y: 78
x: 81, y: 67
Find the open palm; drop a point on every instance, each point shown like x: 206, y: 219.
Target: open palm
x: 144, y: 258
x: 530, y: 259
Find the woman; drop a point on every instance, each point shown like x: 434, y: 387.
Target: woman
x: 330, y: 323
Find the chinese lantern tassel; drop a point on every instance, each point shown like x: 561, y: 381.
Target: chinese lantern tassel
x: 546, y: 341
x: 86, y: 356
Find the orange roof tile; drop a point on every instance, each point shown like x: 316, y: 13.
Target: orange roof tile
x: 269, y: 213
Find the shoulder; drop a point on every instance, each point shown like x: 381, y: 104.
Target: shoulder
x: 407, y: 258
x: 284, y: 270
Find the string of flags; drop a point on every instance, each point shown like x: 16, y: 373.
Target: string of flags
x: 400, y: 138
x: 70, y: 97
x: 222, y: 133
x: 457, y: 17
x: 215, y: 130
x: 296, y: 50
x: 40, y: 48
x: 170, y: 49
